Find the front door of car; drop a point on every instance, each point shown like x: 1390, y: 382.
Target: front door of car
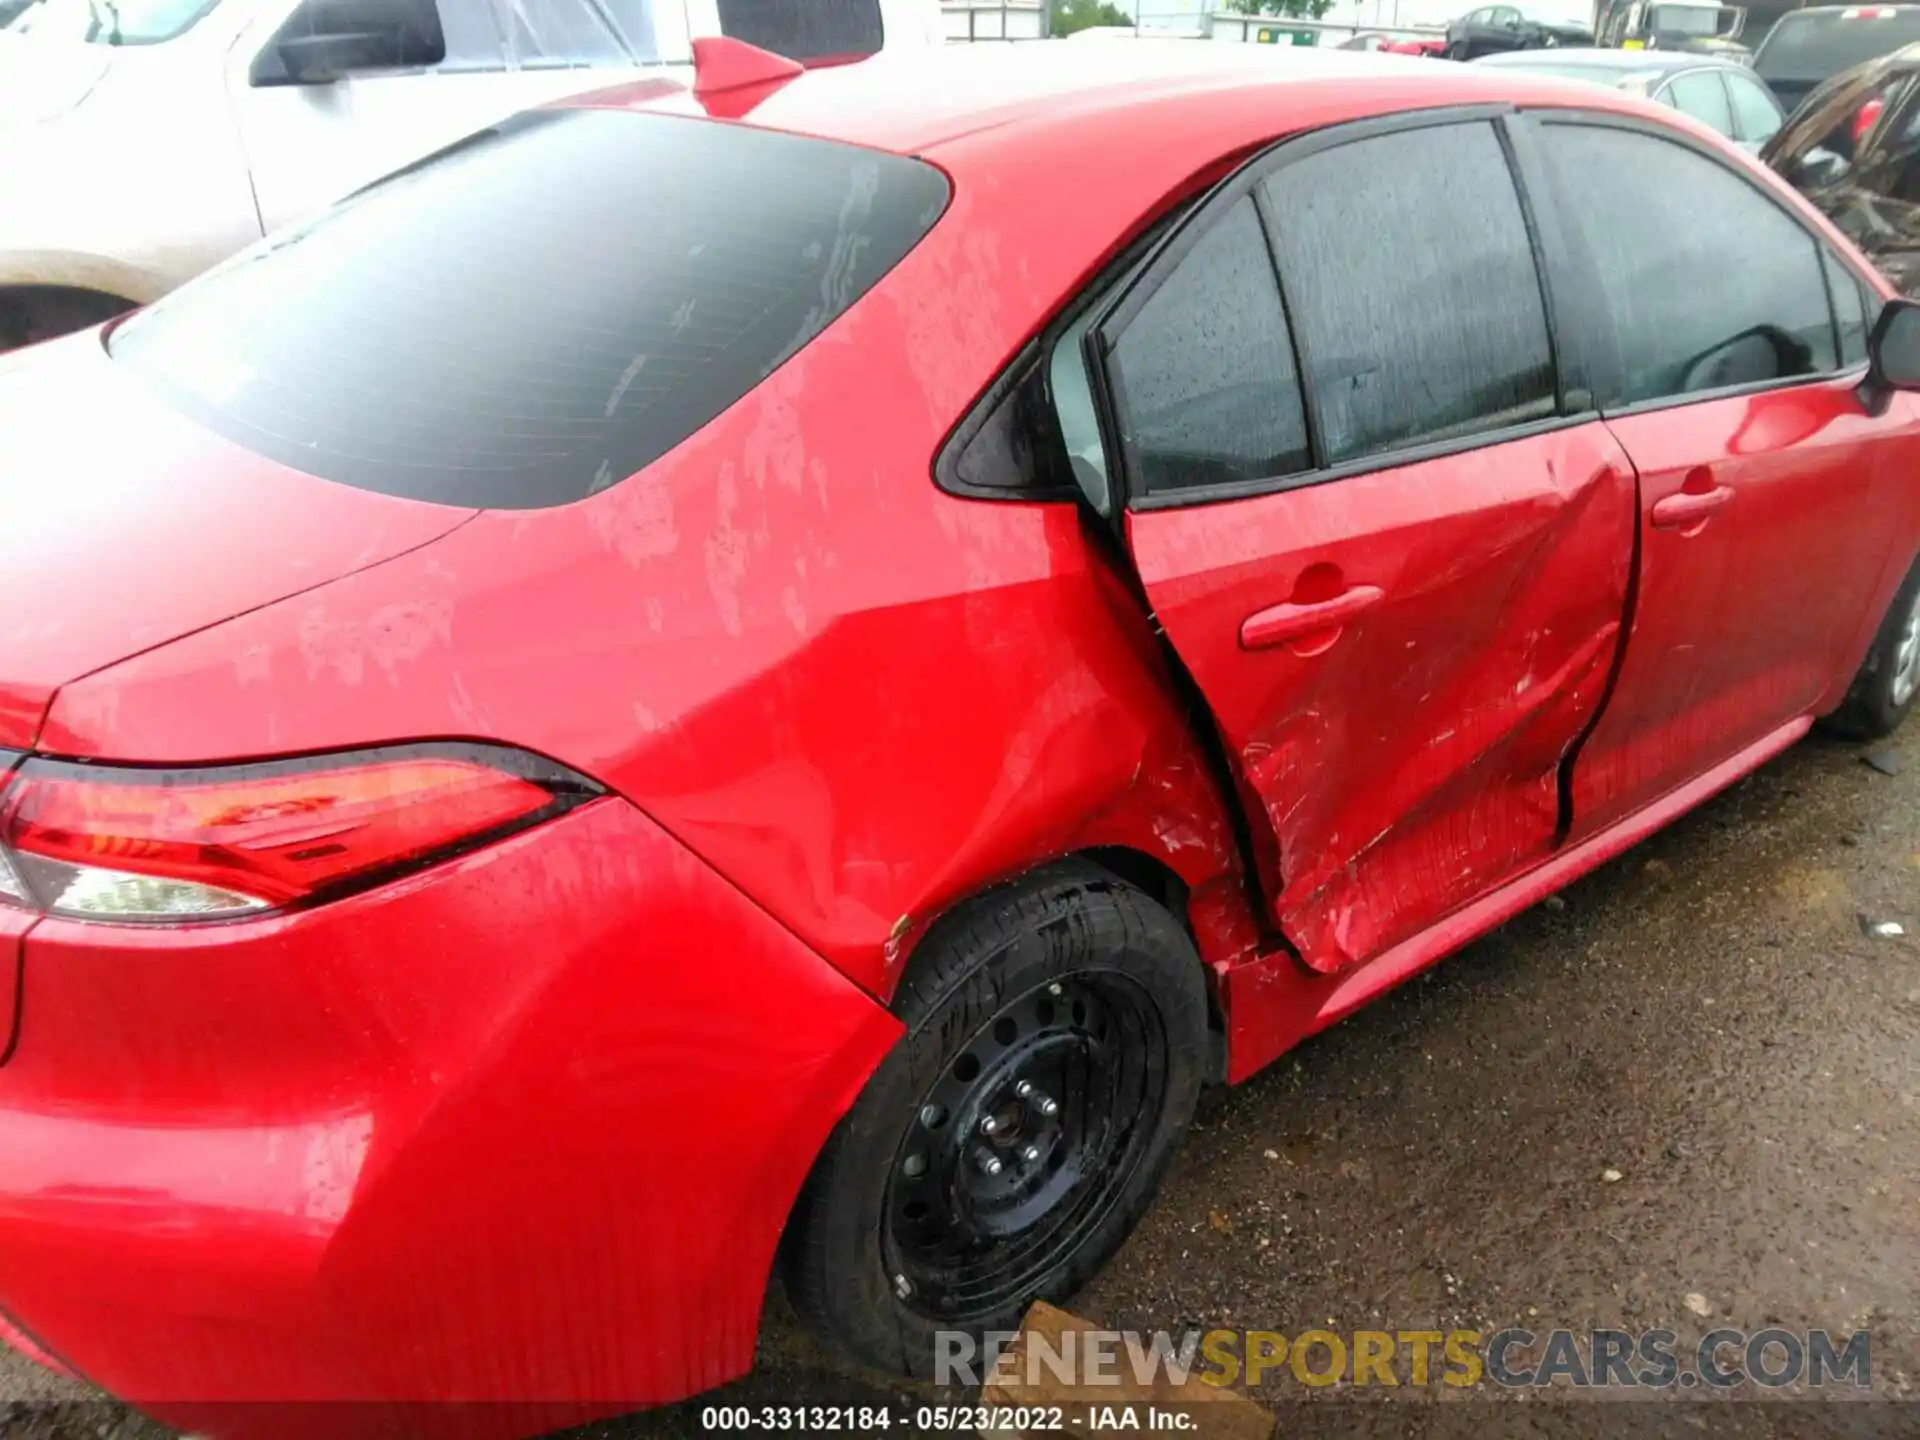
x: 1764, y: 479
x: 1393, y: 563
x: 309, y: 145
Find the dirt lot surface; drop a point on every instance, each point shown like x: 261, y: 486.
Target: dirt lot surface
x: 1685, y: 1094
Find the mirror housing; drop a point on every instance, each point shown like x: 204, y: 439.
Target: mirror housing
x: 324, y: 40
x: 1893, y: 353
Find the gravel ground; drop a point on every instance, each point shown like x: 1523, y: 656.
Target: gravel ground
x: 1706, y: 1018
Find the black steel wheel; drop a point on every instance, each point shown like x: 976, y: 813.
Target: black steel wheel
x: 1024, y: 1143
x: 1056, y: 1031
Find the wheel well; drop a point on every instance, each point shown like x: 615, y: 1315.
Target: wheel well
x: 1162, y: 885
x: 32, y: 313
x: 1144, y: 872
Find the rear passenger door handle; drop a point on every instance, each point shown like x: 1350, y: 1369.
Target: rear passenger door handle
x: 1690, y: 507
x: 1280, y: 624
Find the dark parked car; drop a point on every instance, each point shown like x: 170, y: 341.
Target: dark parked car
x: 1867, y: 179
x: 1719, y: 94
x: 1810, y: 46
x: 1494, y: 28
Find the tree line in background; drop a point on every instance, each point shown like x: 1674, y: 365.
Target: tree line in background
x: 1072, y: 15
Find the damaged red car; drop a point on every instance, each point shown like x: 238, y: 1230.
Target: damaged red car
x: 774, y: 676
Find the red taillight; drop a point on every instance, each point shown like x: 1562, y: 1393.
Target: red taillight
x: 1864, y: 118
x: 136, y: 844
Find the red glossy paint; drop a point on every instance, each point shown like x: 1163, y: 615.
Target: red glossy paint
x: 506, y: 1130
x: 526, y: 1125
x: 1405, y: 749
x: 1273, y: 1004
x: 1747, y: 605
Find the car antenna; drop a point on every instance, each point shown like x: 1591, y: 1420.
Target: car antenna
x: 723, y: 66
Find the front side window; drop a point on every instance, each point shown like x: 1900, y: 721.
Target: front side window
x: 537, y: 312
x: 1849, y: 309
x: 1414, y: 289
x: 1755, y: 116
x: 806, y: 29
x: 1204, y: 372
x: 1707, y: 282
x: 1702, y: 96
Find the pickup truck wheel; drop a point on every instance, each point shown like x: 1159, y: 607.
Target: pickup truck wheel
x: 1056, y: 1030
x: 1884, y: 691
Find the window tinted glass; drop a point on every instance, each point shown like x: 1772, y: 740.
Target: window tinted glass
x: 1850, y: 314
x: 805, y: 29
x: 1417, y: 303
x: 1755, y: 116
x: 1708, y: 283
x: 1205, y: 370
x: 537, y: 312
x: 1702, y: 96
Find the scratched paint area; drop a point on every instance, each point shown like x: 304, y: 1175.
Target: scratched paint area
x: 1405, y: 764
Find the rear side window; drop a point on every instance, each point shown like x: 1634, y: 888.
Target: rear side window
x: 1755, y: 115
x: 1707, y: 282
x: 806, y: 29
x: 537, y: 312
x: 1204, y: 372
x: 1415, y: 295
x: 1702, y: 96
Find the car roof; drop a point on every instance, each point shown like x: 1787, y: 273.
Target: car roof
x: 917, y: 101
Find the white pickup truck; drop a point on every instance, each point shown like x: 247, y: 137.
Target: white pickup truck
x: 142, y: 141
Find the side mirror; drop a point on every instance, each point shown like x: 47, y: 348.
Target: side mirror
x: 1893, y: 350
x: 324, y: 40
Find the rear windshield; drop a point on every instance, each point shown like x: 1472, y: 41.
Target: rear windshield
x: 811, y: 30
x: 1811, y: 46
x: 538, y: 312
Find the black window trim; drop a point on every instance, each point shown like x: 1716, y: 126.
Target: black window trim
x: 1037, y: 354
x: 1544, y: 116
x: 1246, y: 181
x: 1564, y: 292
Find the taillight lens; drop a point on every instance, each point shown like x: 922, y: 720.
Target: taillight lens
x: 1863, y: 119
x: 136, y: 844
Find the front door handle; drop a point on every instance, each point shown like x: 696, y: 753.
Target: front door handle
x: 1688, y: 508
x: 1280, y: 624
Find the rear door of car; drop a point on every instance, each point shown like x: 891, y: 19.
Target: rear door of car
x: 1383, y: 530
x: 1726, y: 344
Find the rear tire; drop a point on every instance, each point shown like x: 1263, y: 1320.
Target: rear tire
x: 1068, y: 989
x: 1883, y: 693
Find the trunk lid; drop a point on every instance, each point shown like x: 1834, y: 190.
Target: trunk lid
x: 123, y: 525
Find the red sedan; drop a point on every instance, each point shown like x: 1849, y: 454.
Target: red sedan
x: 660, y: 693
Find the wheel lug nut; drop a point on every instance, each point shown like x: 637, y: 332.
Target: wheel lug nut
x: 1048, y: 1106
x: 1023, y: 1089
x: 914, y: 1166
x: 988, y: 1162
x: 903, y: 1287
x: 990, y: 1127
x: 1055, y: 989
x: 1030, y: 1154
